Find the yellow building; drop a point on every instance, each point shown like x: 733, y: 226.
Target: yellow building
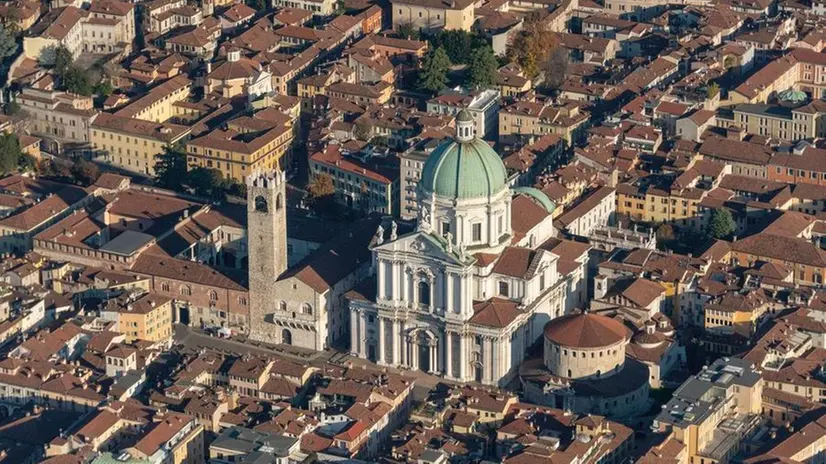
x: 730, y: 389
x: 537, y: 118
x: 133, y: 144
x: 735, y: 313
x: 246, y: 145
x: 148, y: 317
x: 432, y: 15
x: 158, y: 104
x: 175, y: 439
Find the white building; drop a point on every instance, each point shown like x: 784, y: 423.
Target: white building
x: 483, y: 107
x: 466, y: 293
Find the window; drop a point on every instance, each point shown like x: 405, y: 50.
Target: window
x: 504, y: 289
x: 445, y: 228
x: 424, y: 293
x: 477, y: 232
x: 282, y: 305
x: 186, y: 290
x: 213, y: 295
x: 306, y: 309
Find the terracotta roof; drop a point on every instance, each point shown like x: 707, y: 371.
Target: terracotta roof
x: 496, y: 312
x: 585, y: 330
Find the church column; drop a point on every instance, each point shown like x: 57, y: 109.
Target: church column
x: 508, y: 354
x: 397, y: 339
x: 449, y: 293
x: 380, y: 295
x: 462, y: 292
x: 396, y: 287
x: 354, y: 336
x: 431, y: 353
x: 495, y: 371
x: 381, y: 345
x: 414, y: 354
x: 362, y: 335
x: 463, y: 347
x: 487, y: 365
x: 448, y: 350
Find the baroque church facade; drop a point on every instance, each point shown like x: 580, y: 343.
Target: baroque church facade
x: 470, y: 290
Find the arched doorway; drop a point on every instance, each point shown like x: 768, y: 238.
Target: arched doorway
x: 286, y: 337
x: 424, y: 357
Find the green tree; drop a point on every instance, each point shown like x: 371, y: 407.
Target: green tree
x: 85, y: 172
x: 76, y: 80
x: 62, y: 60
x: 665, y: 233
x: 237, y: 189
x: 170, y: 168
x: 556, y: 68
x: 456, y: 44
x: 8, y: 44
x: 258, y: 5
x: 713, y: 90
x: 408, y: 31
x: 27, y: 163
x: 320, y: 186
x: 433, y: 75
x: 721, y: 223
x: 322, y: 193
x: 207, y: 182
x: 482, y: 68
x: 9, y: 153
x: 103, y: 88
x: 532, y: 45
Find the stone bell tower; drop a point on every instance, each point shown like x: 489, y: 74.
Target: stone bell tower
x: 266, y: 240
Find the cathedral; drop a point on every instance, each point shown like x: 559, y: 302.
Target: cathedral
x: 466, y: 293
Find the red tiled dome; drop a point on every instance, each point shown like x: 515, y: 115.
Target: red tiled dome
x: 585, y: 331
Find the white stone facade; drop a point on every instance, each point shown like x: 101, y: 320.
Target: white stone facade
x: 445, y: 305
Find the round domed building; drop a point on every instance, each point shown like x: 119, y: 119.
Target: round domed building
x: 467, y: 292
x: 585, y: 368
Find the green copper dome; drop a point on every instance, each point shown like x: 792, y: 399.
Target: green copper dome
x: 464, y: 169
x: 539, y: 196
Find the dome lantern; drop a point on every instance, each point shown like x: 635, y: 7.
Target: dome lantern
x: 464, y: 126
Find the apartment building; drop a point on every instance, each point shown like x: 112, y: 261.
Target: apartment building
x: 777, y: 121
x: 411, y: 163
x: 362, y: 180
x: 802, y: 69
x: 318, y: 7
x: 109, y: 27
x: 433, y: 15
x: 175, y: 438
x: 714, y: 411
x: 483, y: 107
x: 157, y: 105
x: 535, y: 118
x: 246, y: 145
x: 62, y: 119
x: 133, y: 144
x: 142, y: 317
x: 161, y: 16
x: 59, y: 27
